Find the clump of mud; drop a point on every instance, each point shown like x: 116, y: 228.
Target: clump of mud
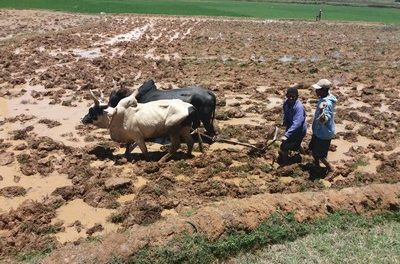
x: 29, y: 227
x: 6, y: 158
x: 12, y: 191
x: 49, y: 123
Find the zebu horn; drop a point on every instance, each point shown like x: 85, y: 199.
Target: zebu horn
x: 101, y: 97
x: 135, y: 92
x: 95, y: 99
x: 115, y: 84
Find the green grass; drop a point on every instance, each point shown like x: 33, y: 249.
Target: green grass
x: 282, y: 229
x: 94, y: 239
x: 360, y: 162
x: 379, y: 244
x: 231, y: 8
x: 35, y: 256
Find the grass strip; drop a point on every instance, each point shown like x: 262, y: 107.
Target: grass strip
x: 378, y: 244
x: 232, y: 8
x: 278, y: 228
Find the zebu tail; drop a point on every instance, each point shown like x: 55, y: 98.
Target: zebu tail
x: 214, y: 106
x: 193, y: 120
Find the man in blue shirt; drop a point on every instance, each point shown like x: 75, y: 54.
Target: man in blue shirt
x: 323, y: 126
x: 294, y: 119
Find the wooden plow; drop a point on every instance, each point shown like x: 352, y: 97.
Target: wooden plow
x: 256, y: 148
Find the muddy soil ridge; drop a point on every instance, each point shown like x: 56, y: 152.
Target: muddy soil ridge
x: 241, y: 214
x: 69, y: 182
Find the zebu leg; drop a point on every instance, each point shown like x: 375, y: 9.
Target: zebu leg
x: 185, y: 133
x: 142, y: 145
x: 210, y: 131
x: 200, y: 141
x: 175, y: 145
x: 129, y: 148
x: 209, y: 127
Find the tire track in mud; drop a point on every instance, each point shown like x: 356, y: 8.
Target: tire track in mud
x: 237, y: 214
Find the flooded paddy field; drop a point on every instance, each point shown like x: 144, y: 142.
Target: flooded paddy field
x: 62, y: 182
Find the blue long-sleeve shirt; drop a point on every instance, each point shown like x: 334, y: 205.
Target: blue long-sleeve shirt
x: 294, y: 118
x: 326, y: 129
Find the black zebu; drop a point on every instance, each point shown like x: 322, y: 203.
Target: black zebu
x: 203, y: 100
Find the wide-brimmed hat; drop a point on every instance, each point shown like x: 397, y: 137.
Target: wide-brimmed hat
x: 323, y: 83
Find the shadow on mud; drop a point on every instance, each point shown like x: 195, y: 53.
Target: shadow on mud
x: 153, y: 156
x: 102, y: 152
x: 106, y: 153
x: 290, y: 160
x: 315, y: 173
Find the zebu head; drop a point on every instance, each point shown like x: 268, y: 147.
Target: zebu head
x: 98, y: 114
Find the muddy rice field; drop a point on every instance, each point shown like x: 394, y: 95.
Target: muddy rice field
x: 62, y: 182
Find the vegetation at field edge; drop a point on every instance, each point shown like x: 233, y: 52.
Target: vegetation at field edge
x: 263, y: 10
x: 279, y: 228
x: 378, y: 244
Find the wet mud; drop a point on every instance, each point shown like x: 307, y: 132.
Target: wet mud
x: 52, y: 168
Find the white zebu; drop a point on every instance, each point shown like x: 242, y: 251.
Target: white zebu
x: 130, y: 122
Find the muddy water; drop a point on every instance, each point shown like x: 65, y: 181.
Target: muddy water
x: 364, y: 141
x: 165, y: 57
x: 232, y: 99
x: 4, y: 111
x: 182, y: 177
x: 168, y: 212
x: 371, y: 166
x: 286, y: 58
x: 78, y: 210
x: 253, y: 120
x: 344, y: 146
x: 155, y: 34
x: 356, y: 103
x: 126, y: 198
x: 140, y: 182
x: 237, y: 181
x: 222, y: 146
x: 36, y: 186
x: 236, y: 163
x: 262, y: 89
x: 69, y: 117
x: 88, y: 54
x: 130, y: 36
x: 341, y: 127
x: 274, y: 102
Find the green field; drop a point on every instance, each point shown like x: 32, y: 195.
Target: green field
x: 263, y: 10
